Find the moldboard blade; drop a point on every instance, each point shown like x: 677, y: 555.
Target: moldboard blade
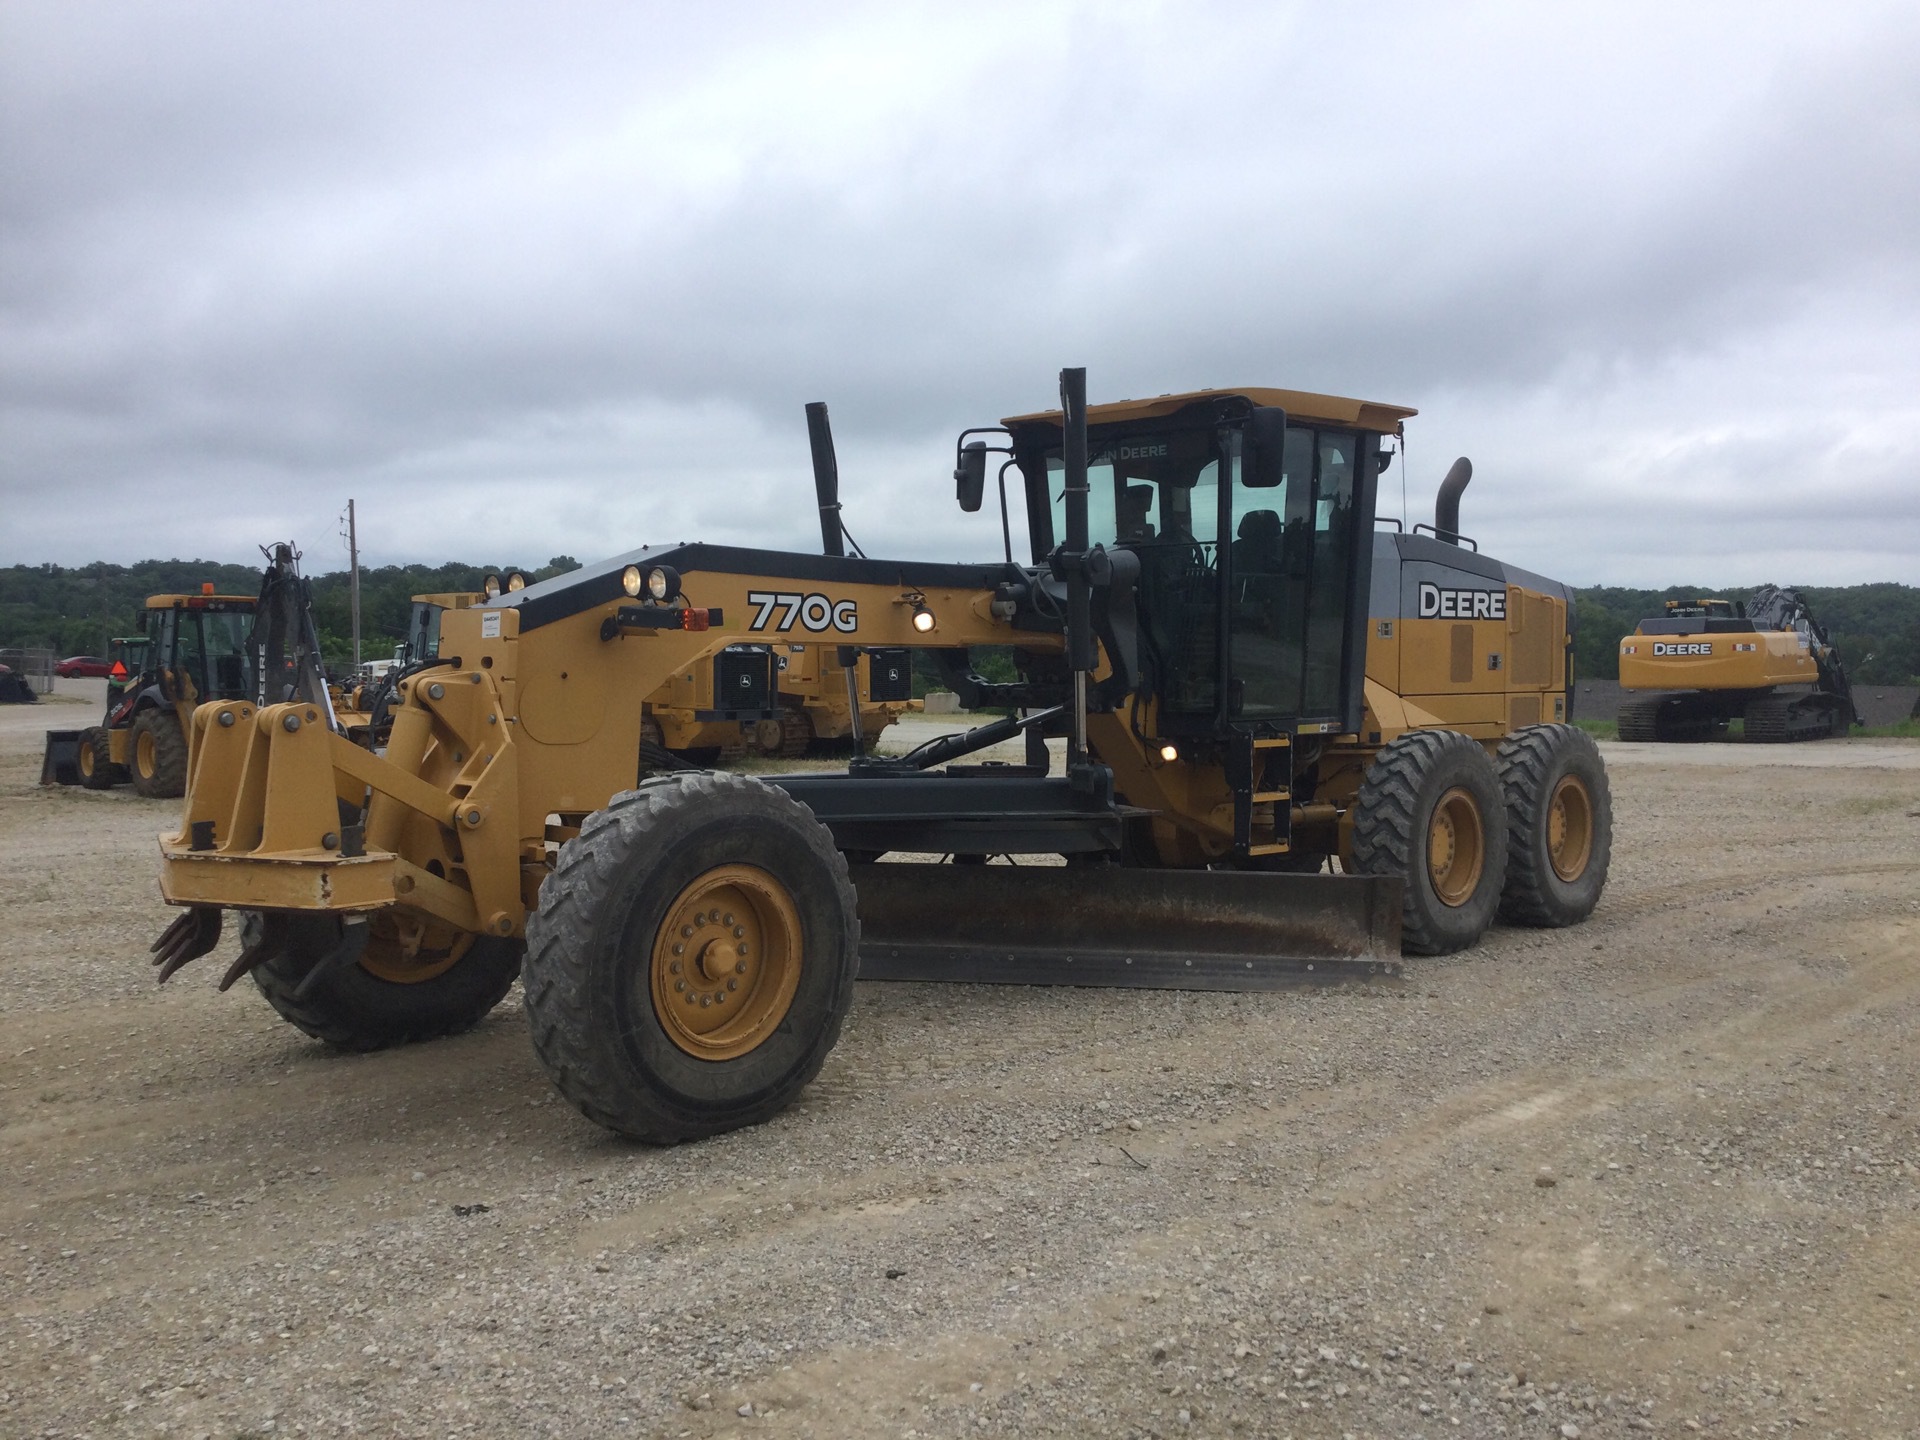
x: 1110, y: 925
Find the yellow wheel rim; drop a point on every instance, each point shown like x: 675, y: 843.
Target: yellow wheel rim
x: 405, y: 949
x: 1570, y: 828
x: 726, y: 962
x: 143, y: 754
x: 84, y: 760
x: 1456, y: 847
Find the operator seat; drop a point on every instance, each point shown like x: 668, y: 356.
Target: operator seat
x: 1256, y: 548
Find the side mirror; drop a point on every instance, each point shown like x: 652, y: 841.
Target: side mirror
x: 970, y: 475
x: 1266, y: 467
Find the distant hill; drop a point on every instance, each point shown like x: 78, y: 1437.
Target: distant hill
x: 75, y: 610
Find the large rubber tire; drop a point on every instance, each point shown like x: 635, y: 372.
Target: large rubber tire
x: 1430, y: 812
x: 95, y: 759
x: 597, y: 966
x: 351, y: 1008
x: 157, y: 755
x: 1559, y: 825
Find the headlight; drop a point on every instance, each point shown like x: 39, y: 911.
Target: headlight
x: 491, y: 585
x: 923, y: 619
x: 516, y: 581
x: 630, y: 581
x: 663, y: 582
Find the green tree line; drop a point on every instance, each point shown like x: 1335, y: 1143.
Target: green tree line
x: 75, y: 610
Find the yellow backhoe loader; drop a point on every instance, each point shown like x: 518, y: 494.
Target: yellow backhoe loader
x: 1249, y: 680
x: 194, y: 650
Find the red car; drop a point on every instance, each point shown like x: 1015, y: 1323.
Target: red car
x: 90, y: 667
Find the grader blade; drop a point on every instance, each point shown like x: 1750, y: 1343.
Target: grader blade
x: 1109, y: 925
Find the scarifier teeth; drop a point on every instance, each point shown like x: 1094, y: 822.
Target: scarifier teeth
x: 247, y: 959
x: 190, y: 936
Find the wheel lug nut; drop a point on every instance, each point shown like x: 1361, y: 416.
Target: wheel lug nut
x: 705, y: 1000
x: 674, y: 967
x: 686, y: 932
x: 689, y: 997
x: 679, y: 984
x: 741, y: 968
x: 743, y: 948
x: 728, y: 920
x: 720, y: 998
x: 738, y: 931
x: 679, y: 949
x: 733, y: 984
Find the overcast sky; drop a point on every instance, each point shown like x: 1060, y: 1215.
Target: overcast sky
x: 530, y: 280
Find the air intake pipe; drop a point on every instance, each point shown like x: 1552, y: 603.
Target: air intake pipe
x: 1446, y: 506
x: 826, y: 480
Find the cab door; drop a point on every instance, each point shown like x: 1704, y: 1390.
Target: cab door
x: 1296, y: 579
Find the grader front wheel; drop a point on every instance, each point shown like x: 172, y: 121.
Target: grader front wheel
x: 1430, y: 811
x: 692, y: 958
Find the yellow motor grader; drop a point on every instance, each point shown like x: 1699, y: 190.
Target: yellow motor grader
x: 1249, y: 678
x: 768, y: 699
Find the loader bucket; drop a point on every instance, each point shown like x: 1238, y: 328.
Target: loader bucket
x: 61, y: 764
x: 1111, y: 925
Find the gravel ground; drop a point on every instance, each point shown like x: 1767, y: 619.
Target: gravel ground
x: 1653, y: 1175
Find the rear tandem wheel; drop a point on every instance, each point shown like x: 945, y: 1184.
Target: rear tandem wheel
x: 692, y: 958
x: 1430, y: 811
x: 1559, y: 825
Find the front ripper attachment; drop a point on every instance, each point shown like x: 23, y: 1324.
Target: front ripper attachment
x: 1112, y: 925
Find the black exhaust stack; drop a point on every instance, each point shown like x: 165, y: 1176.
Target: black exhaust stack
x: 1446, y: 508
x: 1081, y: 657
x: 826, y: 479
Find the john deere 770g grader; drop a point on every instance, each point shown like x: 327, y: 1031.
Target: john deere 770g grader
x: 1249, y: 678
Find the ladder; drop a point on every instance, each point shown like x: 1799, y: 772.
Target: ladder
x: 1249, y: 759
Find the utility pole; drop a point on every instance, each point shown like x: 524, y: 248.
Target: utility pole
x: 353, y: 561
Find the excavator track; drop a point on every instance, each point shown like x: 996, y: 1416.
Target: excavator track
x: 1782, y: 719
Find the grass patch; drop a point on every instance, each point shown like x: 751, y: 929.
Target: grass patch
x: 1902, y: 730
x: 1880, y: 804
x: 773, y: 765
x: 1600, y: 729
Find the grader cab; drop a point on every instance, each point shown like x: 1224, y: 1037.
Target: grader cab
x: 1251, y: 685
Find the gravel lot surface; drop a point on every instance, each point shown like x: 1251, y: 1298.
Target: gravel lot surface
x: 1653, y: 1175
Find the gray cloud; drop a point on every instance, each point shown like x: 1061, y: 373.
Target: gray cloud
x: 561, y: 282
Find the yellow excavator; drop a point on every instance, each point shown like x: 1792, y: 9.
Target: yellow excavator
x: 1251, y: 682
x: 1705, y: 663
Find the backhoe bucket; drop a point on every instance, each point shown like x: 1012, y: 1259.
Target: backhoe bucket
x: 61, y: 764
x: 1111, y: 925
